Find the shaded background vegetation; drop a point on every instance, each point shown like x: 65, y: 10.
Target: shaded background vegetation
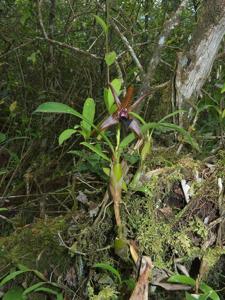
x: 54, y: 51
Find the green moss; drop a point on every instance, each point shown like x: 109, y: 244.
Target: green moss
x: 180, y: 234
x: 35, y: 246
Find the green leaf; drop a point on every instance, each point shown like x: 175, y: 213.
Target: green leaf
x: 184, y: 132
x: 126, y: 141
x: 96, y: 150
x: 32, y: 58
x: 106, y: 171
x: 33, y: 287
x: 3, y: 209
x: 223, y: 89
x: 183, y: 279
x: 172, y: 114
x: 190, y: 297
x: 173, y: 127
x: 138, y: 117
x: 207, y: 289
x: 110, y: 58
x: 223, y: 114
x: 10, y: 277
x: 204, y: 107
x: 65, y: 135
x: 108, y: 267
x: 102, y: 23
x: 57, y: 107
x: 117, y: 171
x: 59, y: 296
x: 23, y: 268
x: 15, y: 293
x: 108, y: 96
x: 88, y: 114
x: 124, y: 186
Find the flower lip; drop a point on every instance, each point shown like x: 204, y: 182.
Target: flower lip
x: 123, y: 113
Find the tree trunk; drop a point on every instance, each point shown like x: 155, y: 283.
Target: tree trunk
x: 194, y: 65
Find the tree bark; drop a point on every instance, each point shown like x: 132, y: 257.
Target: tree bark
x: 195, y: 64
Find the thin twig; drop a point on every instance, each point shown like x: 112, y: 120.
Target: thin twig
x: 130, y: 49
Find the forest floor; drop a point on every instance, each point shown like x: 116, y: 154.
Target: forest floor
x: 58, y: 224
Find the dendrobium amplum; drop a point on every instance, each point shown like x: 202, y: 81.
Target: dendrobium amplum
x: 122, y: 114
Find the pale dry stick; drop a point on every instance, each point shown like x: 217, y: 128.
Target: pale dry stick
x: 221, y: 211
x: 41, y: 19
x: 141, y: 289
x: 130, y: 49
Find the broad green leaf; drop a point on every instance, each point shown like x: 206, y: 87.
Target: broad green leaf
x: 88, y: 114
x: 102, y: 23
x: 10, y: 277
x: 191, y: 297
x: 108, y: 267
x: 126, y: 141
x: 15, y: 293
x: 65, y: 135
x: 96, y: 150
x: 223, y: 89
x: 108, y: 96
x: 207, y: 289
x: 57, y: 107
x: 110, y: 58
x: 33, y: 287
x: 183, y: 279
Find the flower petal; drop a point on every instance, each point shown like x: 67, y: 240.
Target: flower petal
x: 138, y: 101
x: 134, y: 126
x: 108, y: 122
x: 116, y: 98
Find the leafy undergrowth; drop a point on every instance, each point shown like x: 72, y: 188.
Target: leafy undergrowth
x: 174, y: 216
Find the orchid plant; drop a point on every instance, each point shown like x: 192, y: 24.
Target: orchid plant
x: 120, y: 112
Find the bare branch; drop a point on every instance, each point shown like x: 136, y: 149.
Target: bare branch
x: 75, y: 49
x: 54, y: 42
x: 130, y: 49
x: 169, y: 25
